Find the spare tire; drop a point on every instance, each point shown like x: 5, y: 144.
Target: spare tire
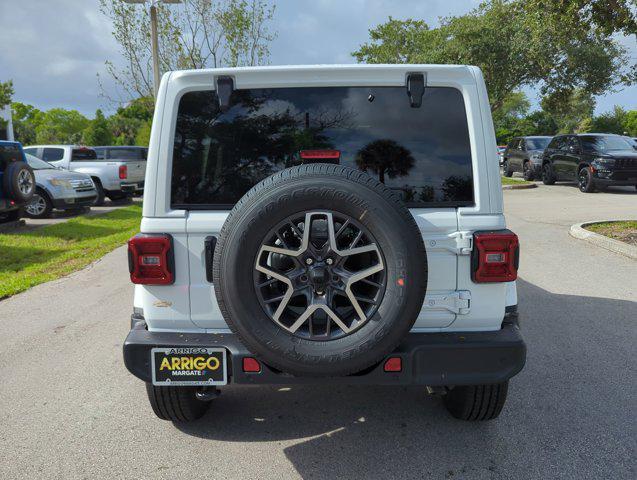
x: 320, y: 270
x: 18, y: 182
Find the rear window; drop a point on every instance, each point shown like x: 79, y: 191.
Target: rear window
x: 80, y: 154
x: 422, y: 153
x: 125, y: 154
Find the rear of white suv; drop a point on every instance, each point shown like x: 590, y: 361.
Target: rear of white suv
x: 366, y: 242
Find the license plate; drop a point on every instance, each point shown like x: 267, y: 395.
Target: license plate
x: 180, y: 366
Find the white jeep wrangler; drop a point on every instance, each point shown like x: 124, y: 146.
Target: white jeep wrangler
x: 324, y: 224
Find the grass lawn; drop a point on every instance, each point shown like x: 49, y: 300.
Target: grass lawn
x: 50, y: 252
x: 623, y: 231
x: 513, y: 181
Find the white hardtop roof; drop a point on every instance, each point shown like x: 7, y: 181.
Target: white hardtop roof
x: 346, y: 74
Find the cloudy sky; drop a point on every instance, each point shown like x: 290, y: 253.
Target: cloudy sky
x: 53, y: 50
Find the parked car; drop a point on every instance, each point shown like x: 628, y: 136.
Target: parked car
x: 594, y: 160
x: 501, y: 149
x: 120, y: 153
x: 58, y: 189
x: 113, y: 179
x: 17, y: 182
x: 524, y: 154
x: 249, y: 272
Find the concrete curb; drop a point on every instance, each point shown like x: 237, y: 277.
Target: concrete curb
x: 519, y: 187
x: 578, y: 231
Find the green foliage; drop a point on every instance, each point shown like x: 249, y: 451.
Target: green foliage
x: 610, y: 122
x: 513, y: 45
x: 60, y: 126
x: 98, y: 132
x: 630, y: 123
x: 141, y: 108
x: 572, y: 112
x: 6, y: 93
x: 143, y: 135
x: 25, y: 120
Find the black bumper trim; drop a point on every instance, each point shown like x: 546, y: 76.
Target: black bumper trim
x: 64, y: 204
x: 434, y: 359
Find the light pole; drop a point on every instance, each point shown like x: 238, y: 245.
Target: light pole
x: 154, y: 41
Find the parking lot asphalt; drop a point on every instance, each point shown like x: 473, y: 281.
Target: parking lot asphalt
x: 69, y: 408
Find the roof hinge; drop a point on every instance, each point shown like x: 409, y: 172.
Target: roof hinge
x: 416, y: 83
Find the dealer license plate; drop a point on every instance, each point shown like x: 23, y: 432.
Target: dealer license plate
x: 181, y: 366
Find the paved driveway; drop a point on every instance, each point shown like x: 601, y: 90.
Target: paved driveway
x: 69, y: 409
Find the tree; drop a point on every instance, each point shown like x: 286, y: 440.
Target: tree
x: 509, y: 118
x: 143, y: 135
x: 194, y: 34
x: 385, y: 157
x: 26, y: 118
x: 61, y: 126
x: 98, y: 131
x: 630, y: 123
x: 571, y: 114
x: 6, y: 93
x: 513, y: 46
x: 610, y: 122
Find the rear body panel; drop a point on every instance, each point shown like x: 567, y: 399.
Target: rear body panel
x: 453, y: 302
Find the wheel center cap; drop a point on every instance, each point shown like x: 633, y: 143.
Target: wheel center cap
x: 318, y: 277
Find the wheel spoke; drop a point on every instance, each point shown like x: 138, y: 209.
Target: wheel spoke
x: 331, y: 307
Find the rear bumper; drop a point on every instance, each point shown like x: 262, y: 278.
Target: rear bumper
x: 434, y: 359
x: 132, y: 187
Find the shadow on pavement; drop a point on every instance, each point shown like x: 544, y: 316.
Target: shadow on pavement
x: 567, y: 414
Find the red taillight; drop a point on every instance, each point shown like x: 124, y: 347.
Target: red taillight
x: 150, y: 259
x: 393, y: 364
x: 123, y: 172
x: 251, y: 365
x: 320, y: 154
x: 495, y: 256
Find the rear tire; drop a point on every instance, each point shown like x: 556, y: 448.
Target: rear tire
x: 548, y: 176
x: 476, y: 402
x: 177, y: 404
x: 507, y: 169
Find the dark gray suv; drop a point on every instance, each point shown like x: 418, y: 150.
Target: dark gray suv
x: 524, y: 154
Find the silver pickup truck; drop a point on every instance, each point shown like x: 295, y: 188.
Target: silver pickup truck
x: 113, y: 178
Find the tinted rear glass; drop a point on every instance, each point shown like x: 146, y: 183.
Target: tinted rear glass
x: 125, y: 154
x: 83, y: 154
x: 422, y: 153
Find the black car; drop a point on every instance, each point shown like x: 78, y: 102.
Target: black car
x: 594, y: 160
x: 524, y: 154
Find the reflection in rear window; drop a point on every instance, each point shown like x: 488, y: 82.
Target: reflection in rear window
x: 421, y: 153
x: 83, y: 154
